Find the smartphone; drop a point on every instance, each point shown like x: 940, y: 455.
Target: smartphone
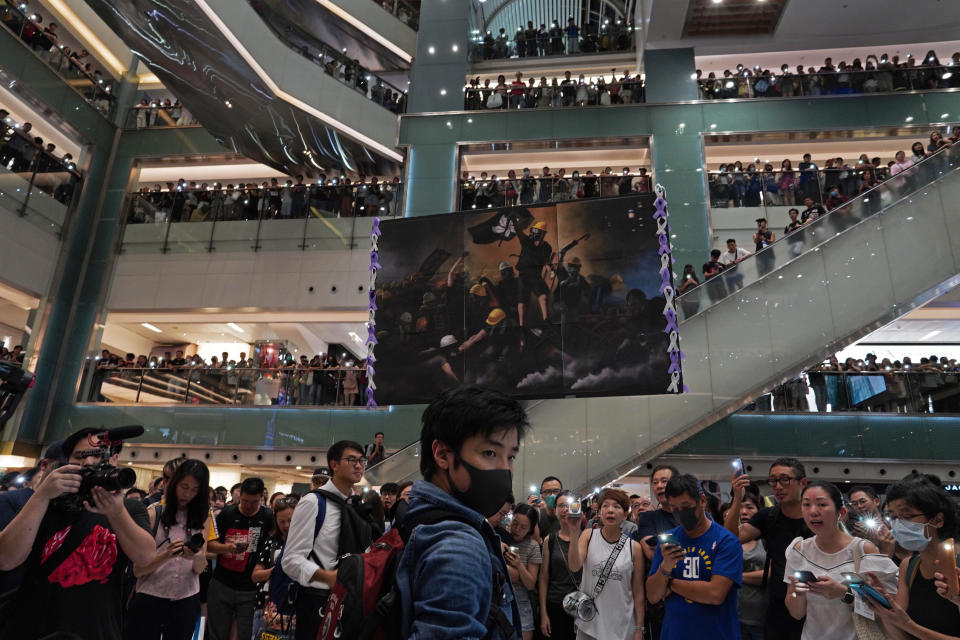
x: 575, y: 509
x: 948, y: 565
x: 668, y: 539
x: 859, y: 586
x: 242, y: 546
x: 738, y: 466
x: 514, y: 550
x: 806, y: 577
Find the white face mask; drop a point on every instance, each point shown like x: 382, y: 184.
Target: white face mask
x: 912, y: 536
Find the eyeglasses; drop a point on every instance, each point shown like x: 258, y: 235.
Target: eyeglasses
x: 354, y: 460
x: 780, y: 480
x: 550, y: 492
x: 290, y: 501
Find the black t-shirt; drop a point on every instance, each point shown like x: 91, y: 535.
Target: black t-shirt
x: 653, y: 523
x: 711, y: 269
x: 813, y: 212
x: 234, y: 570
x: 793, y: 226
x: 777, y: 531
x: 548, y: 524
x: 82, y: 594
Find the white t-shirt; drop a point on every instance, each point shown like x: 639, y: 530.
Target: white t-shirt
x: 729, y: 257
x: 833, y: 619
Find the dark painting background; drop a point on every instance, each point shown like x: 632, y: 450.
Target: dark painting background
x: 603, y: 334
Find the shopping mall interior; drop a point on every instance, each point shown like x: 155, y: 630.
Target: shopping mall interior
x: 189, y: 191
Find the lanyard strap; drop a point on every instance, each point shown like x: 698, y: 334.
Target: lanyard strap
x: 608, y: 566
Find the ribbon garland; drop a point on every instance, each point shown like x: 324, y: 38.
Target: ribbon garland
x: 672, y: 329
x: 371, y: 322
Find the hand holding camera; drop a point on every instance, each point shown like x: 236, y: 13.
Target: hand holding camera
x: 104, y: 502
x: 60, y: 481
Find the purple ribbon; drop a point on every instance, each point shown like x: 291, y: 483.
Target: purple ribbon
x: 373, y: 301
x: 374, y: 261
x: 371, y: 403
x: 372, y: 336
x: 375, y: 227
x: 671, y: 317
x: 674, y: 362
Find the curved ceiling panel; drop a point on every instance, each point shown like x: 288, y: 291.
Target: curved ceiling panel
x: 189, y: 55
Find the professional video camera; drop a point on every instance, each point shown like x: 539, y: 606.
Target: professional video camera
x: 14, y: 382
x: 104, y: 444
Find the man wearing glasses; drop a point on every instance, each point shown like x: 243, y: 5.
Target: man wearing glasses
x: 311, y: 554
x: 777, y: 526
x: 550, y: 488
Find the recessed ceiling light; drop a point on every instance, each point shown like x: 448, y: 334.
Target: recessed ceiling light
x: 147, y: 325
x: 932, y: 334
x: 235, y: 327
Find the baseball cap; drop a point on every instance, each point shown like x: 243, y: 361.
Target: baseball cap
x: 54, y: 451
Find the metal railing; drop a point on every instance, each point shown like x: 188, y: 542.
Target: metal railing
x: 407, y: 11
x: 555, y: 41
x: 733, y: 188
x: 225, y: 386
x: 555, y: 95
x: 506, y: 192
x: 75, y: 67
x: 158, y: 115
x: 840, y: 216
x: 846, y: 81
x: 933, y: 391
x: 337, y: 64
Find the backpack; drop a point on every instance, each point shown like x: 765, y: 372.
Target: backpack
x: 364, y: 604
x: 355, y: 536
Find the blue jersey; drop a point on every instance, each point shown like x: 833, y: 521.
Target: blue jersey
x: 716, y: 552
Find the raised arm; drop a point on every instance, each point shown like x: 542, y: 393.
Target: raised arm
x: 16, y: 539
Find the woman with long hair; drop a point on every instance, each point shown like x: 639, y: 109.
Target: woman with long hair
x: 825, y: 601
x: 523, y: 563
x: 556, y: 580
x: 166, y: 599
x: 266, y: 617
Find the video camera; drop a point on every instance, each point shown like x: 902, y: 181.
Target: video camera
x: 14, y: 382
x: 103, y: 474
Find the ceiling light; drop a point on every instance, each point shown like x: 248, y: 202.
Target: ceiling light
x: 443, y: 92
x: 717, y: 1
x: 235, y: 327
x: 932, y: 334
x: 908, y: 119
x: 431, y: 50
x: 455, y: 48
x: 147, y: 325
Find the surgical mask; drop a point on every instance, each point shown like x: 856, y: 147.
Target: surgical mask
x: 912, y: 536
x: 489, y: 488
x: 833, y: 193
x: 551, y: 502
x: 687, y: 518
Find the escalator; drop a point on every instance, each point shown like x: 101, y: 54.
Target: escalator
x: 780, y: 311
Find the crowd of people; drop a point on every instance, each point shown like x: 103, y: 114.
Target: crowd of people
x: 161, y: 112
x: 340, y: 197
x: 806, y: 561
x: 554, y: 93
x: 492, y: 191
x: 407, y: 11
x: 321, y: 379
x: 532, y: 42
x: 15, y: 355
x: 873, y: 74
x: 45, y: 40
x: 23, y: 153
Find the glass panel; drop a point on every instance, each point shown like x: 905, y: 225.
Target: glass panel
x: 402, y: 466
x: 555, y: 40
x: 158, y: 115
x: 484, y: 193
x: 590, y: 91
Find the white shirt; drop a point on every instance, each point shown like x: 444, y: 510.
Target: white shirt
x: 300, y: 541
x: 730, y: 257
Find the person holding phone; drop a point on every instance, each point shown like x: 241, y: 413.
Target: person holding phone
x: 820, y: 594
x: 619, y: 599
x: 922, y: 516
x: 523, y: 564
x: 556, y: 580
x: 696, y: 569
x: 167, y: 596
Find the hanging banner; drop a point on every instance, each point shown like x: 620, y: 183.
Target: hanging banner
x: 544, y: 301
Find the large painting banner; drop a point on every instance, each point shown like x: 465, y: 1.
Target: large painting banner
x: 539, y: 302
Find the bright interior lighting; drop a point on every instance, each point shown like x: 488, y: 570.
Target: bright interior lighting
x: 87, y: 36
x: 932, y: 334
x: 235, y: 327
x: 147, y: 325
x: 331, y: 6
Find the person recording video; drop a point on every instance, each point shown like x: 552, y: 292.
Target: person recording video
x: 74, y: 538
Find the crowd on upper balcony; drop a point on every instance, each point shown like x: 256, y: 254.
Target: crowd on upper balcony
x: 553, y: 93
x: 407, y: 11
x: 527, y: 188
x: 873, y: 74
x: 342, y: 197
x: 21, y: 152
x: 870, y: 363
x: 569, y: 39
x: 45, y: 40
x: 161, y: 113
x: 836, y: 181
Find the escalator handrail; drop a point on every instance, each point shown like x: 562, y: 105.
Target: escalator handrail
x: 859, y: 198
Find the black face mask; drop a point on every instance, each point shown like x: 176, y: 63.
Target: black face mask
x: 687, y: 518
x: 489, y: 489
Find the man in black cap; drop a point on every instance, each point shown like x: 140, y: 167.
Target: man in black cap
x: 73, y: 559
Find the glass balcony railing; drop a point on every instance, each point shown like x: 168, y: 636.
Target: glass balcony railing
x: 156, y: 115
x: 75, y: 67
x: 507, y: 192
x: 226, y: 386
x: 788, y: 188
x: 841, y: 215
x: 931, y: 391
x: 555, y: 41
x: 748, y: 84
x: 553, y: 95
x: 407, y: 11
x: 336, y: 63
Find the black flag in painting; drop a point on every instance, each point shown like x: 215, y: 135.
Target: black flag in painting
x: 502, y: 225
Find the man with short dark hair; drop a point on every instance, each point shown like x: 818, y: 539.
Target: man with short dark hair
x: 468, y: 443
x: 311, y: 556
x: 375, y: 452
x: 650, y: 525
x: 777, y: 526
x: 698, y: 578
x: 548, y: 524
x: 868, y: 522
x: 243, y: 530
x: 812, y: 211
